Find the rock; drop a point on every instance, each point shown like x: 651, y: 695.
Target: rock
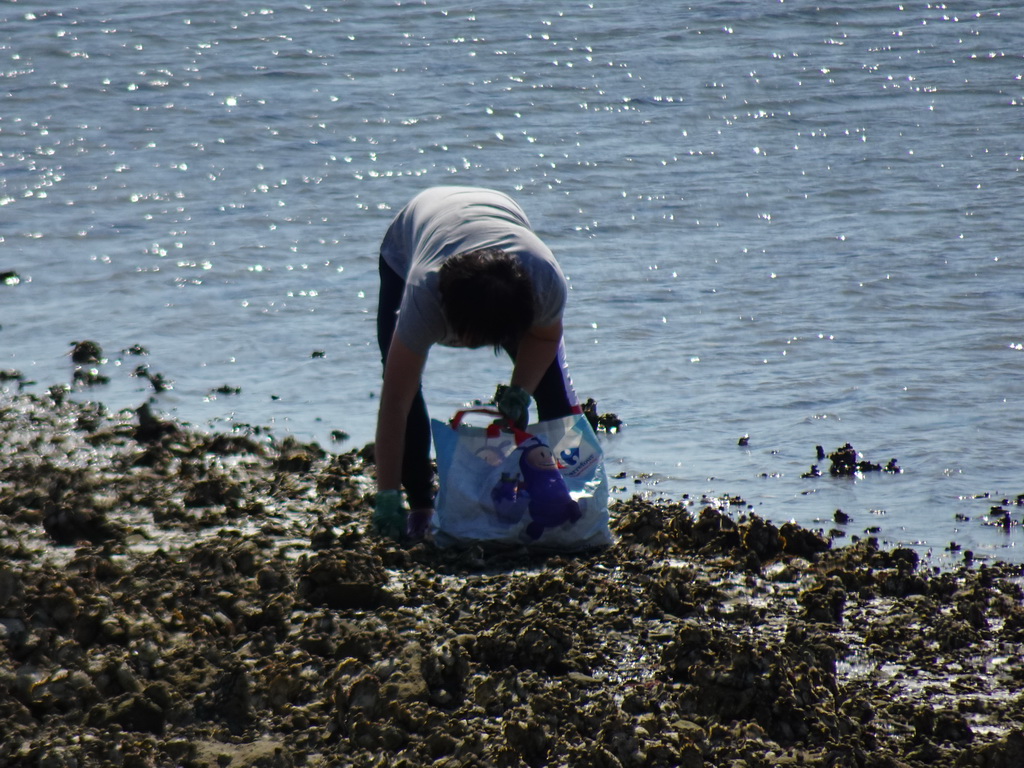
x: 345, y: 580
x: 134, y: 712
x: 83, y: 352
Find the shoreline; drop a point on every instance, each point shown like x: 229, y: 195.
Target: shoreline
x: 172, y: 596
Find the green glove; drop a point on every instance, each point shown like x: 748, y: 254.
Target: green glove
x: 389, y: 514
x: 514, y: 404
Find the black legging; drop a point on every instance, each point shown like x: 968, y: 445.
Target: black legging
x: 554, y: 398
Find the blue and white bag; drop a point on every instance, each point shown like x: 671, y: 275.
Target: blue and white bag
x: 543, y: 487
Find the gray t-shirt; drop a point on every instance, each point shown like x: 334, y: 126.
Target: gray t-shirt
x: 444, y: 221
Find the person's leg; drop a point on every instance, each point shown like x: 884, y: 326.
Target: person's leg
x: 417, y: 472
x: 554, y: 396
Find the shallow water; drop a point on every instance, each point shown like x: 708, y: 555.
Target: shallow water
x: 793, y: 223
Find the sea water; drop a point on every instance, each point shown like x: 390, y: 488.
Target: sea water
x: 785, y: 224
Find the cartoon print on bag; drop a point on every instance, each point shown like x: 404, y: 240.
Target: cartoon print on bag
x: 509, y: 504
x: 549, y: 501
x: 492, y: 454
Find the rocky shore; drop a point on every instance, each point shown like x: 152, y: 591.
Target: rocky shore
x: 174, y: 597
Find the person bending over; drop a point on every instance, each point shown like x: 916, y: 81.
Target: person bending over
x: 460, y: 267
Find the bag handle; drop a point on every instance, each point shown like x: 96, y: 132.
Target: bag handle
x: 494, y: 429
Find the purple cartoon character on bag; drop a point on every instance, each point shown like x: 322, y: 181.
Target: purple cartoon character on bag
x: 550, y: 504
x: 538, y: 488
x: 509, y: 503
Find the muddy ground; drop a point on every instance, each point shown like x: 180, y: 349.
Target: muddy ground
x: 174, y: 597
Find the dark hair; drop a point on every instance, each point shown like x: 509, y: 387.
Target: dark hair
x: 487, y: 297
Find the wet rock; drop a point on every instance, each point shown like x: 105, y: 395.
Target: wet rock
x: 537, y: 643
x: 67, y: 525
x: 89, y: 377
x: 714, y: 530
x: 955, y: 634
x: 1005, y: 753
x: 83, y: 352
x: 10, y: 585
x: 824, y: 602
x: 607, y: 422
x: 802, y: 542
x: 343, y: 580
x: 217, y: 490
x: 156, y: 380
x: 845, y: 461
x: 670, y: 591
x: 295, y: 457
x: 761, y: 538
x: 150, y: 428
x: 364, y: 696
x: 134, y: 712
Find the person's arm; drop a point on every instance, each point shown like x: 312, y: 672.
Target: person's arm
x: 402, y: 373
x: 537, y: 349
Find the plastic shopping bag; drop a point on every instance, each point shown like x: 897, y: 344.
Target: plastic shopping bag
x: 544, y: 487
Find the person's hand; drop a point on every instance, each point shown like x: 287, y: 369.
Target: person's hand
x: 389, y: 515
x: 514, y: 404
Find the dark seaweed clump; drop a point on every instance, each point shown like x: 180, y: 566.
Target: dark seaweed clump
x: 845, y: 461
